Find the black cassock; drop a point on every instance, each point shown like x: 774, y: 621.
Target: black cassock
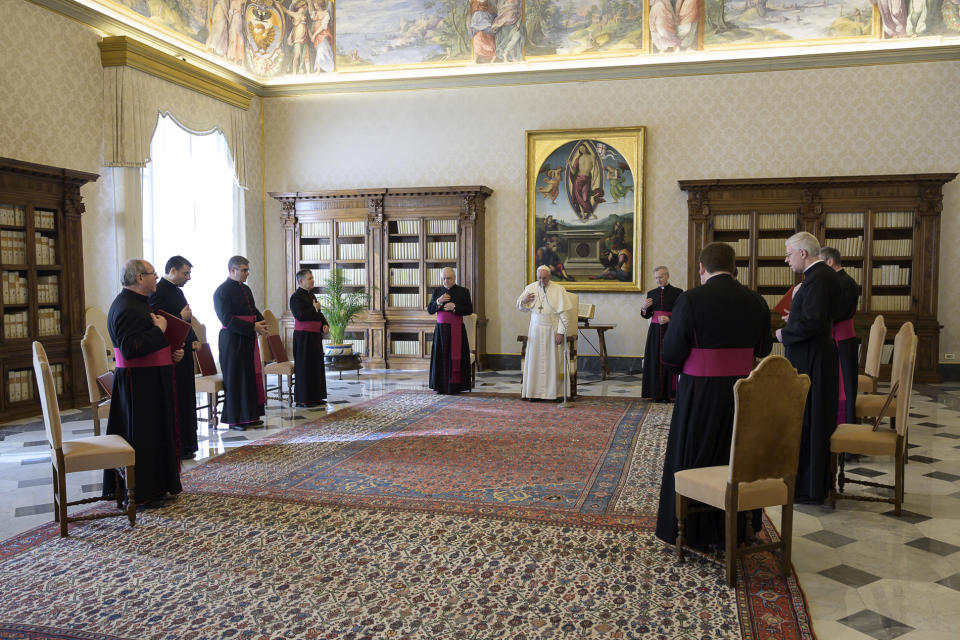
x: 658, y: 380
x: 243, y: 394
x: 310, y: 378
x: 808, y: 338
x: 142, y: 405
x: 848, y: 350
x: 441, y: 361
x: 721, y: 314
x: 169, y: 297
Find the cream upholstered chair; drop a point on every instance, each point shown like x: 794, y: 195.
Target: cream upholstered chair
x: 764, y: 453
x: 94, y: 352
x: 570, y: 318
x: 470, y: 326
x: 209, y: 381
x: 874, y: 405
x: 96, y: 317
x: 280, y: 366
x: 866, y: 439
x: 82, y: 454
x: 867, y: 381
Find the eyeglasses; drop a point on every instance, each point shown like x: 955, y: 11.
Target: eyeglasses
x: 149, y: 273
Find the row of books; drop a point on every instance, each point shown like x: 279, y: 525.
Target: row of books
x: 45, y: 248
x: 856, y: 273
x: 771, y: 246
x: 44, y: 219
x: 14, y: 216
x: 314, y: 252
x: 743, y: 277
x: 14, y: 288
x: 741, y: 246
x: 441, y: 251
x: 846, y: 246
x: 405, y: 300
x: 408, y: 227
x: 404, y: 251
x: 405, y: 277
x: 442, y: 227
x: 13, y: 247
x: 405, y: 347
x: 20, y: 385
x: 350, y: 227
x: 354, y: 277
x: 891, y: 275
x: 16, y: 325
x: 893, y: 219
x: 899, y: 248
x: 890, y: 303
x: 774, y: 276
x: 48, y: 322
x: 732, y: 222
x: 844, y: 221
x: 315, y: 229
x: 776, y: 221
x: 351, y: 251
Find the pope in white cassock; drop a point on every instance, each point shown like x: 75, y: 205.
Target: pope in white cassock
x: 549, y: 306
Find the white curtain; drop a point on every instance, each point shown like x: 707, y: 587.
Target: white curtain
x: 193, y: 207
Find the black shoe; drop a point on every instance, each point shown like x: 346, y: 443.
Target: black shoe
x: 239, y: 427
x: 187, y: 456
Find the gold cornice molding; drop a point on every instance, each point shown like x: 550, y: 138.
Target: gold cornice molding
x: 121, y: 51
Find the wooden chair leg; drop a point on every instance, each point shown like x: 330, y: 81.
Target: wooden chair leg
x: 898, y: 481
x: 786, y: 530
x: 730, y: 534
x: 833, y: 480
x: 118, y: 493
x: 681, y: 524
x: 96, y: 420
x: 61, y: 503
x: 131, y: 502
x: 56, y: 495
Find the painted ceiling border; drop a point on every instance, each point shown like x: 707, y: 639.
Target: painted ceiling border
x: 182, y: 66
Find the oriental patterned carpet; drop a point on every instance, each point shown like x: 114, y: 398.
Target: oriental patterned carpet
x: 409, y: 516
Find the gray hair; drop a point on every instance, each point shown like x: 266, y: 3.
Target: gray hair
x: 661, y: 268
x: 804, y: 241
x: 131, y: 269
x: 450, y: 269
x: 543, y: 267
x: 236, y: 262
x: 829, y: 253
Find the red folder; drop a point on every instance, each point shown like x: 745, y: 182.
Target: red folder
x: 177, y: 330
x: 782, y: 308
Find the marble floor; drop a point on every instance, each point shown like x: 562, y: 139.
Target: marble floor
x: 866, y: 574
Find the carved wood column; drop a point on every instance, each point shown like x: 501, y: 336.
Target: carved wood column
x: 470, y: 262
x: 699, y: 232
x: 291, y: 251
x: 72, y: 274
x: 376, y: 279
x: 926, y: 258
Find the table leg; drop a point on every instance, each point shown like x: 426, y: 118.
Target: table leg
x: 604, y: 368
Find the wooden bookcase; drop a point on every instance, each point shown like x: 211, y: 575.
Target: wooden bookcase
x: 393, y: 242
x: 42, y: 280
x: 887, y: 229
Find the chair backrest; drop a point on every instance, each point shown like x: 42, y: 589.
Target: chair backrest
x: 470, y: 326
x: 570, y: 317
x: 48, y: 396
x: 768, y: 421
x: 273, y: 328
x: 901, y: 351
x: 96, y: 317
x: 199, y: 328
x: 205, y: 361
x: 277, y: 350
x: 878, y: 332
x: 905, y: 342
x: 94, y: 352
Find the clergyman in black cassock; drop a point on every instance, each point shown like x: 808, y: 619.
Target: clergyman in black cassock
x: 310, y: 377
x: 169, y: 297
x: 809, y: 345
x: 142, y: 407
x: 659, y: 381
x: 450, y: 356
x: 716, y: 332
x: 848, y: 344
x: 243, y: 392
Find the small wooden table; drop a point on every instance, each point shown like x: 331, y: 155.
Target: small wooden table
x: 602, y: 350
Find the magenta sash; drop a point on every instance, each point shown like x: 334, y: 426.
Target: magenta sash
x: 257, y: 364
x: 656, y: 316
x: 159, y: 358
x: 843, y: 330
x: 455, y: 322
x: 719, y: 363
x: 311, y: 326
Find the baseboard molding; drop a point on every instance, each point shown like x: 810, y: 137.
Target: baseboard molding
x: 589, y: 364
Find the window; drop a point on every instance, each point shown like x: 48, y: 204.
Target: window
x: 193, y: 207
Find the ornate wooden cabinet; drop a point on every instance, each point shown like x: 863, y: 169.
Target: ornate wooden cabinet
x: 42, y: 280
x: 887, y: 229
x: 393, y: 242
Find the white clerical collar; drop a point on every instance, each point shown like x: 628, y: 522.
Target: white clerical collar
x: 811, y: 264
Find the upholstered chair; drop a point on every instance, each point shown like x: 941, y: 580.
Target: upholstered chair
x: 470, y: 326
x: 867, y: 381
x: 871, y: 405
x: 209, y: 381
x: 279, y: 366
x: 94, y: 352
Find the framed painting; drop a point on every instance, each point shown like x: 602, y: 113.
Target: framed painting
x: 585, y: 207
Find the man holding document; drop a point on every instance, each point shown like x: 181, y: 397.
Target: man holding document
x: 142, y: 409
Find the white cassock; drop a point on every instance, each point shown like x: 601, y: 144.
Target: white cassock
x: 543, y: 366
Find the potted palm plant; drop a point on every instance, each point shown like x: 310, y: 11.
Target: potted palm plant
x: 339, y: 307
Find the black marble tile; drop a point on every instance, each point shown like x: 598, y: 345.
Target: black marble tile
x: 33, y: 510
x: 864, y: 471
x: 918, y: 415
x: 908, y: 516
x: 942, y: 475
x: 96, y: 487
x: 35, y: 482
x: 923, y: 459
x: 35, y: 460
x: 35, y: 443
x: 338, y: 402
x: 850, y: 576
x: 934, y: 546
x: 235, y: 439
x: 952, y: 436
x: 83, y: 432
x: 829, y: 538
x: 876, y: 625
x: 932, y: 425
x: 951, y: 581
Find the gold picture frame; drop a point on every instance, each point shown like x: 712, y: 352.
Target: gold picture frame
x: 585, y: 194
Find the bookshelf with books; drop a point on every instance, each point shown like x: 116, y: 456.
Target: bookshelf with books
x: 41, y: 274
x: 887, y: 229
x: 395, y: 243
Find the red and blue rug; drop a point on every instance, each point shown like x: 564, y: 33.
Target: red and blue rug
x: 409, y: 516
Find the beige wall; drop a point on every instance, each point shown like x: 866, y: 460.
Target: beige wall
x: 867, y: 120
x: 51, y: 101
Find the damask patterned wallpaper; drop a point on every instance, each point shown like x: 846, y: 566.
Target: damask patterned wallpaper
x: 868, y: 120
